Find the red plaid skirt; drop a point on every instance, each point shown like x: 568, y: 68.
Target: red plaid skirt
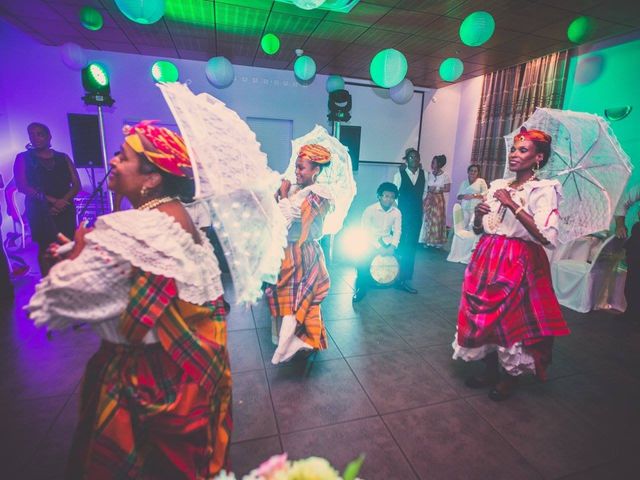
x: 507, y: 297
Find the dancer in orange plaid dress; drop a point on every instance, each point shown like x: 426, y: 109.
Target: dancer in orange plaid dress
x: 156, y: 398
x: 303, y: 281
x: 509, y: 314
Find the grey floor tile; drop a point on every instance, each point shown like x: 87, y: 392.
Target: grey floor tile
x: 239, y: 318
x: 268, y: 348
x: 327, y: 392
x: 244, y: 351
x: 422, y: 328
x: 248, y: 455
x: 252, y: 408
x: 343, y: 442
x: 365, y: 337
x: 451, y: 440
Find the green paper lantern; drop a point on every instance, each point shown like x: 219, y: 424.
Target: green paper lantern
x: 451, y: 69
x: 270, y: 44
x: 477, y: 28
x: 580, y: 29
x: 145, y: 12
x: 388, y: 68
x: 91, y: 19
x: 304, y: 68
x: 164, y: 71
x: 334, y: 82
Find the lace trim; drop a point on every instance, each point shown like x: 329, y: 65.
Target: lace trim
x: 133, y: 235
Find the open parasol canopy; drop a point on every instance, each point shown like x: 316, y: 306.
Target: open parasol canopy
x: 587, y: 159
x: 234, y: 182
x: 338, y: 176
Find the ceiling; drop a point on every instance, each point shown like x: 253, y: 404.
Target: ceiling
x: 426, y: 31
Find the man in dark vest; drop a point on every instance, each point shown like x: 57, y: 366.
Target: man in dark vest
x: 410, y: 181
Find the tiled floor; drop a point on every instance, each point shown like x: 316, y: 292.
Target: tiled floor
x: 386, y: 386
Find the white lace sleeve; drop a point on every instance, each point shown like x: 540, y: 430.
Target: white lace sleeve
x: 91, y: 288
x: 543, y: 205
x: 290, y: 211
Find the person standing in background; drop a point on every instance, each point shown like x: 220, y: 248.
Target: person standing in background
x: 434, y: 228
x: 470, y: 193
x: 410, y: 180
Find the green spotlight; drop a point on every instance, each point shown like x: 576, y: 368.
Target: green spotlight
x: 95, y: 78
x: 164, y: 71
x: 580, y: 29
x: 270, y: 44
x: 91, y: 19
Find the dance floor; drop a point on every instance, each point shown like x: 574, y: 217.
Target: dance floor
x: 386, y: 386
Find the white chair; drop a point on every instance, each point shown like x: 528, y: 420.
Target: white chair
x: 463, y: 241
x: 15, y: 209
x: 579, y: 274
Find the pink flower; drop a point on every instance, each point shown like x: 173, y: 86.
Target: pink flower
x: 271, y: 466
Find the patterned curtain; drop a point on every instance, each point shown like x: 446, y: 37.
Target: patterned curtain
x: 509, y: 97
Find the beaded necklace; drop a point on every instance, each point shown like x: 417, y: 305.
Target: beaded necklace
x: 494, y: 219
x: 155, y: 203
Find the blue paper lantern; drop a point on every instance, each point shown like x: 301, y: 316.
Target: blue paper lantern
x: 304, y: 68
x: 477, y: 28
x: 402, y: 93
x: 73, y: 56
x: 220, y: 72
x: 334, y: 82
x: 142, y: 11
x: 451, y: 69
x: 388, y: 68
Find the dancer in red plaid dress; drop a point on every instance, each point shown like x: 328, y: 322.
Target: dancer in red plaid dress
x: 509, y: 313
x: 155, y: 402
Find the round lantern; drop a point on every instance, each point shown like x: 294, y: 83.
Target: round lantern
x: 91, y: 19
x: 304, y: 68
x: 164, y: 71
x: 73, y: 56
x: 334, y: 82
x: 270, y: 44
x: 580, y: 29
x: 142, y: 11
x: 219, y: 72
x: 308, y: 4
x: 388, y: 68
x: 451, y: 69
x: 402, y: 93
x: 477, y: 28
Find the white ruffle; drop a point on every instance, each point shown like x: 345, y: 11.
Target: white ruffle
x: 514, y: 360
x: 134, y: 235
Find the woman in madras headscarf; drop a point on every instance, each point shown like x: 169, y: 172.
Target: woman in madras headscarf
x: 156, y: 397
x: 509, y: 313
x: 303, y: 281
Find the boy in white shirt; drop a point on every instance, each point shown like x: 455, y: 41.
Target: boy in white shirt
x: 383, y: 223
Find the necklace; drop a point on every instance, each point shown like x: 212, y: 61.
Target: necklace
x: 494, y: 219
x: 155, y: 203
x: 519, y: 187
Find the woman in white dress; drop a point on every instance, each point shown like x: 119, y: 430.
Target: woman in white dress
x: 470, y: 193
x: 434, y: 228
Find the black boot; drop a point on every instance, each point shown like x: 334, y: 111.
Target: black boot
x: 489, y: 377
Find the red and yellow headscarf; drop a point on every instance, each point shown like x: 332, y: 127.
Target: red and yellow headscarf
x: 315, y: 153
x: 169, y: 154
x: 533, y: 135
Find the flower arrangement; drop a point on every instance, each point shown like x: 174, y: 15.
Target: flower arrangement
x: 312, y: 468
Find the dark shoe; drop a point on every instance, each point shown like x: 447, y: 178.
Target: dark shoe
x: 359, y: 295
x: 480, y: 381
x: 406, y: 287
x: 504, y: 389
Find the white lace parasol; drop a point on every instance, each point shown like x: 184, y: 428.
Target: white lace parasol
x: 338, y: 176
x: 588, y: 161
x: 233, y: 180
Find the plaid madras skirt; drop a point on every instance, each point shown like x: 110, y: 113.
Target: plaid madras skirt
x: 507, y: 297
x: 303, y: 283
x: 143, y: 417
x: 434, y: 231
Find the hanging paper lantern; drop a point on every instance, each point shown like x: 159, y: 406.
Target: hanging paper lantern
x: 142, y: 11
x: 220, y: 72
x: 402, y: 93
x: 270, y: 44
x: 91, y: 19
x: 580, y: 29
x: 334, y: 82
x: 451, y: 69
x: 388, y: 68
x: 164, y: 71
x: 308, y: 4
x: 73, y: 56
x: 477, y: 28
x: 304, y: 68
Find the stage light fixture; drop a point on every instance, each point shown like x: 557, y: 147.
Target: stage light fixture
x: 339, y: 106
x: 95, y: 80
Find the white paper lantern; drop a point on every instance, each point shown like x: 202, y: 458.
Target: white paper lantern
x: 334, y: 82
x: 219, y: 72
x: 73, y: 56
x: 402, y: 93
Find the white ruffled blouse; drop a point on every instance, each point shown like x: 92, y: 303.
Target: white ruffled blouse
x: 291, y: 209
x: 539, y: 198
x: 94, y: 287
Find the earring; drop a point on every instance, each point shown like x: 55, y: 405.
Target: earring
x: 144, y: 191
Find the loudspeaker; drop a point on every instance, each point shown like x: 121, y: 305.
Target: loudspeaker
x: 350, y: 138
x: 85, y: 140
